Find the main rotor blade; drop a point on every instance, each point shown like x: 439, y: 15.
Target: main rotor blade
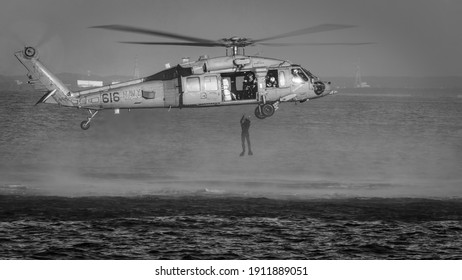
x: 314, y: 44
x: 215, y: 44
x: 131, y: 29
x: 309, y: 30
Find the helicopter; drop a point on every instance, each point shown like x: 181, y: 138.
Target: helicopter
x: 233, y: 79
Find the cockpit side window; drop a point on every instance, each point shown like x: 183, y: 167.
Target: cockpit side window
x: 298, y: 76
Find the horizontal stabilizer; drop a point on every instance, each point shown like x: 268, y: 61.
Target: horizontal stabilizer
x: 46, y: 96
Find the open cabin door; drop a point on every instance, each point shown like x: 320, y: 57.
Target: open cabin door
x: 200, y: 90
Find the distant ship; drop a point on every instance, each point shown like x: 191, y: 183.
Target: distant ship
x: 358, y: 82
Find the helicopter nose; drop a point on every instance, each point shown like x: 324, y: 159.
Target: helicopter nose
x: 329, y: 87
x: 322, y: 88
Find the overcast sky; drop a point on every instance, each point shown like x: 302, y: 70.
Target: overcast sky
x: 413, y: 37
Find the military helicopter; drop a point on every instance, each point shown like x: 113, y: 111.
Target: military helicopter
x: 234, y: 79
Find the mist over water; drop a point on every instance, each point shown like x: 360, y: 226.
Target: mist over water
x: 400, y: 143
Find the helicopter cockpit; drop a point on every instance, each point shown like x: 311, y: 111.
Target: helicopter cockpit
x: 300, y: 74
x: 313, y: 77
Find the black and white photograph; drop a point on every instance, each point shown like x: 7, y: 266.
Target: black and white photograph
x: 230, y: 130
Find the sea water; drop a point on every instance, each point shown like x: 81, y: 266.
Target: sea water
x: 387, y: 143
x: 354, y: 175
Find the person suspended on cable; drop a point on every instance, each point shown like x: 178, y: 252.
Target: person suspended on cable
x: 245, y: 126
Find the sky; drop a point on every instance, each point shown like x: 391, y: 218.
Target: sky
x: 417, y: 38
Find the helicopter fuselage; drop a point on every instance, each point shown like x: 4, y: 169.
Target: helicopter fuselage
x: 221, y: 81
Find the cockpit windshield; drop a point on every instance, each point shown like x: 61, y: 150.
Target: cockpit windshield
x: 298, y: 75
x: 309, y: 74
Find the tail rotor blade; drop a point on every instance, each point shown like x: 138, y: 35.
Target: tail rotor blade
x: 45, y: 37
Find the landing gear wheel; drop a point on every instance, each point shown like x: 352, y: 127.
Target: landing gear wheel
x: 85, y: 125
x: 267, y: 110
x: 258, y: 114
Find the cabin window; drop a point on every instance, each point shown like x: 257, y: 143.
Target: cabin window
x: 272, y: 79
x: 282, y: 79
x: 148, y: 94
x: 211, y: 83
x: 193, y: 84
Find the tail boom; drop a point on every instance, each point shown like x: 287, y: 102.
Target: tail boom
x: 38, y: 73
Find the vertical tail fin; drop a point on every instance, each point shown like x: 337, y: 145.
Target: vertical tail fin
x: 48, y: 81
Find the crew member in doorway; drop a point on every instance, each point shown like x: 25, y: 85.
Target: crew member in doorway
x: 271, y: 81
x: 250, y: 86
x: 245, y: 125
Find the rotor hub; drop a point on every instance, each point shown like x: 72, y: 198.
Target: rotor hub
x: 30, y: 52
x: 237, y: 42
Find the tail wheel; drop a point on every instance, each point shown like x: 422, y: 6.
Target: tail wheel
x: 259, y: 114
x: 85, y: 125
x: 267, y: 110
